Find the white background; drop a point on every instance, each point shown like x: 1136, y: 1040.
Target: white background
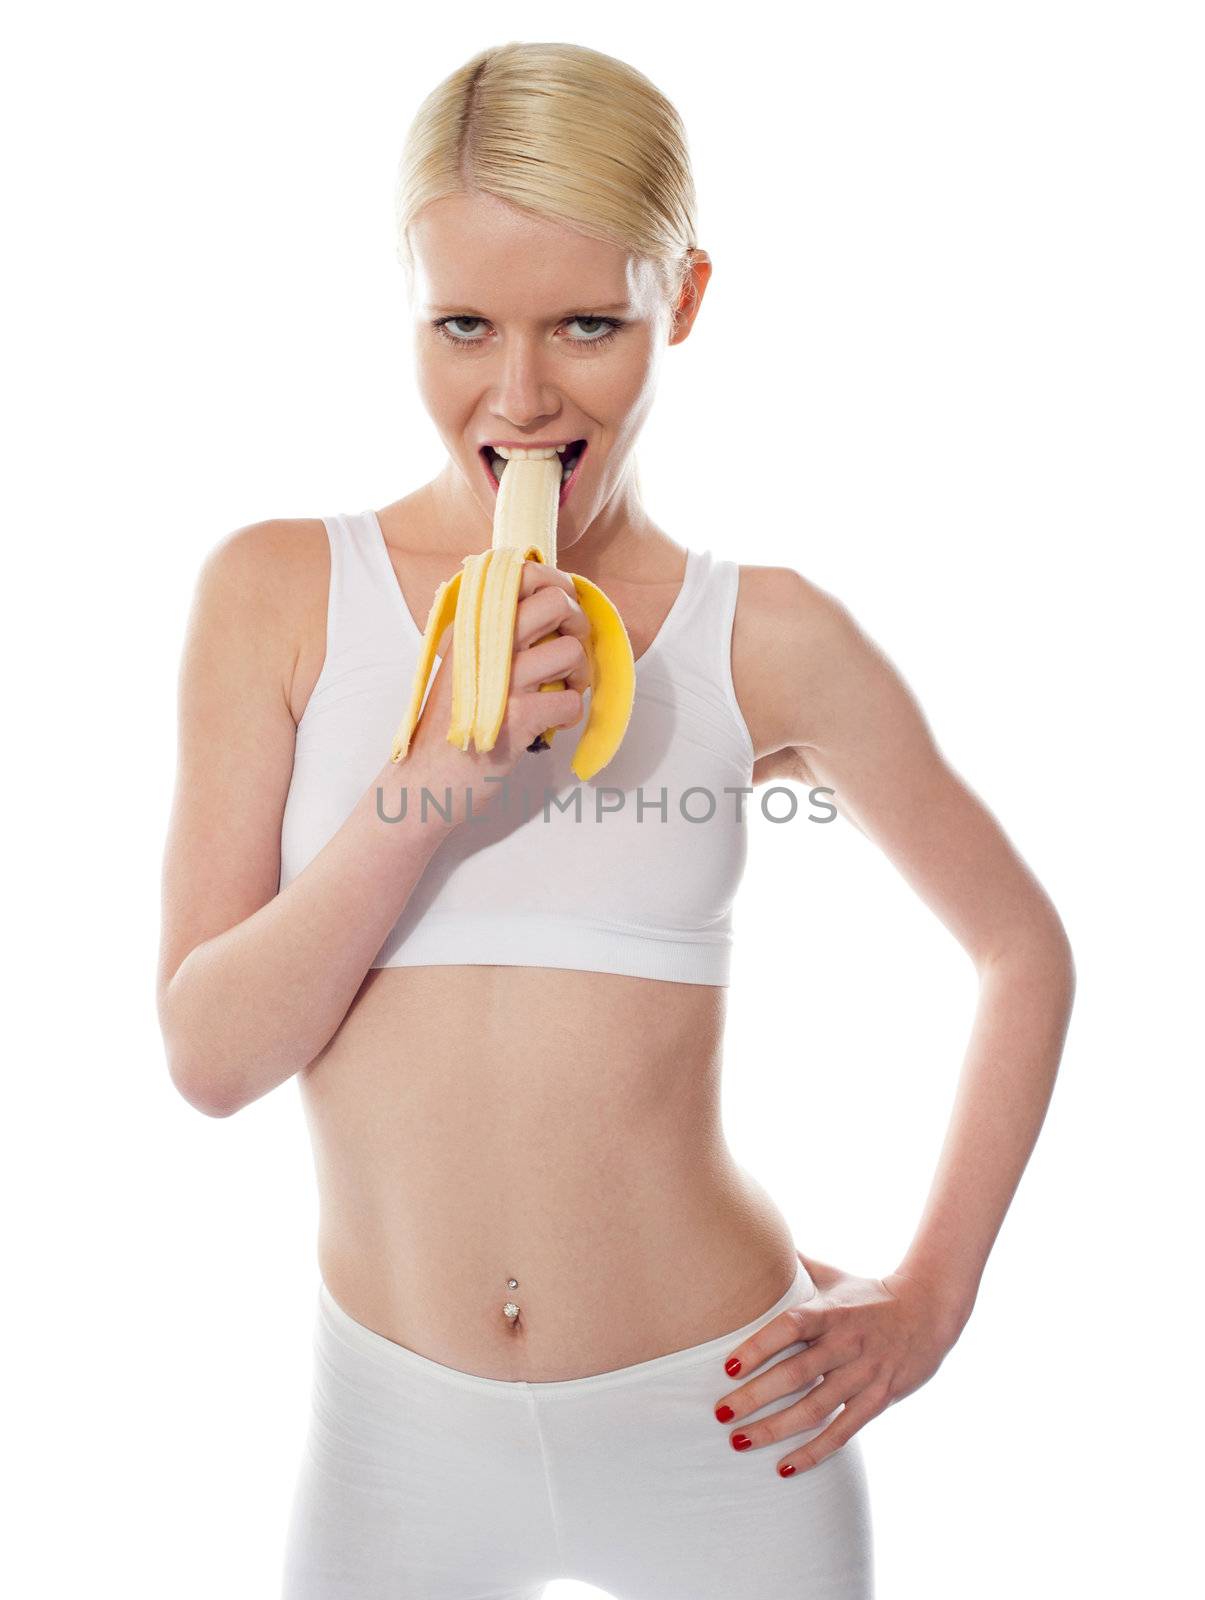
x: 957, y: 301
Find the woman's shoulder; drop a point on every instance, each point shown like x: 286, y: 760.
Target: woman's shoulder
x: 780, y: 601
x: 789, y: 637
x: 270, y: 557
x: 277, y: 573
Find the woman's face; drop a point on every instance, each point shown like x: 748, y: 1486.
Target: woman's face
x: 543, y: 336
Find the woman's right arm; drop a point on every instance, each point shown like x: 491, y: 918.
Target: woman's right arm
x: 252, y: 984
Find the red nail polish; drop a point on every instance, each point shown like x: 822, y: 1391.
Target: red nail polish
x: 785, y: 1470
x: 741, y: 1441
x: 724, y: 1413
x: 732, y: 1367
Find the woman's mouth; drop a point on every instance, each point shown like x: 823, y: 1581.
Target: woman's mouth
x: 571, y: 464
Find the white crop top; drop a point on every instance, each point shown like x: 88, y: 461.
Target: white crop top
x: 634, y: 872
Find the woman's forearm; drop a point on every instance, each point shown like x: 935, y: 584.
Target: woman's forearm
x: 251, y: 1006
x: 1004, y: 1089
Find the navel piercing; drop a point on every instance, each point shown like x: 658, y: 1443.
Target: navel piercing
x: 510, y: 1310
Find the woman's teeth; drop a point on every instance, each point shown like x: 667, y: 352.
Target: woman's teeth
x: 572, y: 455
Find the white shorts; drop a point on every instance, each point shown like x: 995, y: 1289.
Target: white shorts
x: 421, y: 1482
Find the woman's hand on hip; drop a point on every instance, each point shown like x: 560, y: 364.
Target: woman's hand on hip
x: 870, y: 1342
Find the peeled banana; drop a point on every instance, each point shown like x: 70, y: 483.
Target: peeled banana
x: 480, y: 601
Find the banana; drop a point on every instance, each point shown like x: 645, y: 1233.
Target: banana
x: 479, y: 602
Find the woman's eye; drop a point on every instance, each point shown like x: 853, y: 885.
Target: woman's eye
x: 447, y: 321
x: 610, y: 324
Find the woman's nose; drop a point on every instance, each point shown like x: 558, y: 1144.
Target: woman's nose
x: 523, y: 392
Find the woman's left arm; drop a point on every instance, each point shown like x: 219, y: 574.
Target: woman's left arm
x: 851, y: 725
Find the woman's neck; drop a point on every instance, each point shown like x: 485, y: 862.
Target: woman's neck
x: 620, y: 542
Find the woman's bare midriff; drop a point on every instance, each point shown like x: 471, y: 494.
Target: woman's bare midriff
x: 585, y: 1160
x: 477, y: 1124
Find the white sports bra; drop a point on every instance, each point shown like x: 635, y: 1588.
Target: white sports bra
x: 634, y: 872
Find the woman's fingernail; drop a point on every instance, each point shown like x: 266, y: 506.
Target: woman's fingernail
x: 724, y: 1413
x: 741, y: 1441
x: 732, y: 1367
x: 785, y: 1470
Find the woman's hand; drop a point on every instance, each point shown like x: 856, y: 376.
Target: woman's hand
x: 870, y: 1342
x: 548, y: 610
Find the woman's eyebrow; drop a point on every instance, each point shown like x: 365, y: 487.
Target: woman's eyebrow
x: 468, y: 311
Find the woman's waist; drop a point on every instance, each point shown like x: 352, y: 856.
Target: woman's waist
x: 551, y: 1280
x: 491, y: 1080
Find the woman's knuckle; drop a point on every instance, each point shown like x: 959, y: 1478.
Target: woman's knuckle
x: 798, y: 1367
x: 798, y: 1318
x: 813, y: 1410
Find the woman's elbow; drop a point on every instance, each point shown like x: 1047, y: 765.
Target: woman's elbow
x: 204, y: 1090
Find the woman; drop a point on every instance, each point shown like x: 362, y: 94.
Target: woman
x: 559, y: 1332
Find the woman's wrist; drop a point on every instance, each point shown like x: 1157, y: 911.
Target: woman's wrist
x: 950, y: 1292
x: 420, y: 797
x: 436, y: 791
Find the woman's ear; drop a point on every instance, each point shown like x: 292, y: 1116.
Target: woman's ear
x: 691, y: 297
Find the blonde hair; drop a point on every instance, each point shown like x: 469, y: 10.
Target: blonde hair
x: 567, y: 134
